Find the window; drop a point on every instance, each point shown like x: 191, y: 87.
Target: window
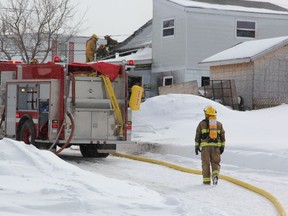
x: 205, y: 81
x: 246, y: 29
x: 168, y: 28
x: 167, y: 80
x: 27, y: 96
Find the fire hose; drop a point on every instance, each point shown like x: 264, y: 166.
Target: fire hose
x: 58, y: 135
x: 280, y: 209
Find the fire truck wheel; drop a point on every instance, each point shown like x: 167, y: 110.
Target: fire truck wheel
x: 91, y: 151
x: 27, y: 133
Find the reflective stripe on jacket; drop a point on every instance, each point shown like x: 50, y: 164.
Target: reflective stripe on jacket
x: 202, y: 138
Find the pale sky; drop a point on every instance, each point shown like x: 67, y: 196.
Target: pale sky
x: 114, y: 17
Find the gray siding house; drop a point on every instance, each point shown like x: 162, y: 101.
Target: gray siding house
x: 186, y: 32
x: 259, y: 69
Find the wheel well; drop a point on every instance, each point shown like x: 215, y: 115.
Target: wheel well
x: 21, y: 122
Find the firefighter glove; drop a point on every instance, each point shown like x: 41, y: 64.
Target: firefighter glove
x: 197, y: 150
x: 221, y: 149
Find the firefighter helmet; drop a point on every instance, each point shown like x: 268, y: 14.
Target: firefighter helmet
x: 95, y: 36
x: 34, y: 61
x: 210, y: 111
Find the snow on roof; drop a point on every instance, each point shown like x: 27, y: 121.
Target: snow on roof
x: 188, y: 3
x: 246, y: 51
x: 139, y: 39
x: 140, y: 55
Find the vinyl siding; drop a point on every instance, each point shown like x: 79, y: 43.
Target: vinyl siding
x: 200, y: 33
x: 168, y: 52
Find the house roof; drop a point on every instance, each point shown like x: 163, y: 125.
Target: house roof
x: 246, y: 51
x: 143, y: 36
x: 139, y: 39
x: 142, y: 56
x: 233, y: 5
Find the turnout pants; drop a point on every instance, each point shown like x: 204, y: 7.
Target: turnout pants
x: 210, y: 155
x: 89, y: 57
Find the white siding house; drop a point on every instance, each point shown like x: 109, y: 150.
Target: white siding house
x: 186, y: 32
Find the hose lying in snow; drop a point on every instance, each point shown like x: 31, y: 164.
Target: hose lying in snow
x: 260, y: 191
x: 250, y: 187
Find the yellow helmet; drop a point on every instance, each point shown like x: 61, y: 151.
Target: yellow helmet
x: 34, y: 61
x: 210, y: 111
x: 95, y: 36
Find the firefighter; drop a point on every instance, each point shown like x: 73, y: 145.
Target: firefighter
x: 210, y: 141
x: 34, y: 61
x: 91, y: 48
x: 111, y: 44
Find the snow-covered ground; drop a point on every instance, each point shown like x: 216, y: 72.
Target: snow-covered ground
x: 36, y: 182
x: 256, y: 147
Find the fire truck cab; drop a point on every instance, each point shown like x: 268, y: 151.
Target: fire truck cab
x: 51, y: 106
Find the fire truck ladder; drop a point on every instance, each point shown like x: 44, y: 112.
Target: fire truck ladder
x: 114, y: 101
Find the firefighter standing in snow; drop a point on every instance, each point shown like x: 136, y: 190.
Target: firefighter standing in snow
x: 91, y: 48
x: 210, y: 141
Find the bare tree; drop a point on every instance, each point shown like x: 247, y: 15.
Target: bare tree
x: 28, y: 27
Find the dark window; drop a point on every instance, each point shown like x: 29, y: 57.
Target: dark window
x: 168, y: 28
x: 168, y: 23
x: 246, y: 29
x: 167, y: 80
x: 168, y: 32
x: 205, y: 81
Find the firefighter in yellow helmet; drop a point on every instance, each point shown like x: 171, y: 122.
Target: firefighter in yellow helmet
x: 91, y: 48
x: 34, y: 61
x: 210, y: 141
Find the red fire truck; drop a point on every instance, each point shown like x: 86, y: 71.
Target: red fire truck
x: 54, y: 107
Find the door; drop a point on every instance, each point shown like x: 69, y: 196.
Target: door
x: 10, y: 123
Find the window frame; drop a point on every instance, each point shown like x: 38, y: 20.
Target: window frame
x: 167, y: 80
x: 247, y: 29
x: 163, y: 29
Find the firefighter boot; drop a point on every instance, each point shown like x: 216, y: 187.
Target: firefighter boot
x: 215, y: 180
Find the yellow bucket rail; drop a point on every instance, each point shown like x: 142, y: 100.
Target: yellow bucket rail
x: 136, y: 97
x: 114, y: 101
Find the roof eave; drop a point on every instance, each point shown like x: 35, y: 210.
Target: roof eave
x: 136, y: 61
x: 269, y: 50
x: 252, y: 4
x: 225, y: 62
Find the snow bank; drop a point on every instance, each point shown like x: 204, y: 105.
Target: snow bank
x: 37, y: 182
x: 171, y: 121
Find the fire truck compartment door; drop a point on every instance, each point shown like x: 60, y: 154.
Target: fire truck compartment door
x: 95, y: 125
x: 11, y: 111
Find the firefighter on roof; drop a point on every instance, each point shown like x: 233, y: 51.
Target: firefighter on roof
x: 34, y: 61
x: 210, y: 141
x: 91, y: 48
